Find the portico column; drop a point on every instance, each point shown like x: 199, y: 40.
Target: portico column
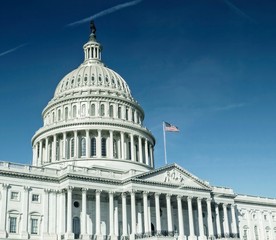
x: 84, y: 213
x: 111, y: 150
x: 132, y: 147
x: 200, y: 219
x: 209, y: 218
x: 122, y: 145
x: 133, y: 213
x: 62, y: 212
x: 140, y: 149
x: 98, y: 212
x: 116, y: 217
x: 46, y: 212
x: 54, y: 148
x: 149, y: 217
x: 3, y: 232
x: 234, y: 223
x: 139, y: 219
x: 146, y: 217
x: 180, y: 217
x: 157, y: 212
x: 146, y: 151
x: 99, y: 144
x: 69, y: 232
x: 218, y: 220
x: 169, y: 214
x: 124, y: 214
x: 191, y: 219
x: 46, y: 150
x: 25, y: 207
x: 225, y: 221
x: 64, y: 146
x: 111, y: 215
x: 88, y: 144
x: 76, y: 144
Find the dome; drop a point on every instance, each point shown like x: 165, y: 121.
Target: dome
x: 93, y: 120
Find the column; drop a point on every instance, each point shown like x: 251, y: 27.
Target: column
x: 151, y: 156
x: 132, y: 147
x: 35, y: 155
x: 191, y: 218
x: 200, y: 219
x: 46, y: 212
x: 99, y: 144
x: 169, y: 215
x: 111, y: 144
x: 84, y: 214
x: 3, y: 220
x: 98, y: 212
x: 140, y: 150
x: 64, y: 146
x: 69, y: 232
x: 116, y: 216
x: 157, y: 212
x: 234, y: 223
x: 123, y: 145
x: 40, y: 153
x: 88, y: 144
x: 133, y: 213
x: 53, y: 213
x: 46, y: 150
x: 54, y: 149
x: 61, y: 209
x: 149, y: 216
x: 209, y: 218
x: 139, y: 219
x: 180, y: 217
x: 111, y: 215
x: 124, y: 214
x: 147, y: 151
x: 225, y: 221
x: 76, y: 144
x: 218, y: 220
x: 146, y: 219
x: 25, y: 207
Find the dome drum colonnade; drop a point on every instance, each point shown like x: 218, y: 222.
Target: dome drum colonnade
x: 93, y: 116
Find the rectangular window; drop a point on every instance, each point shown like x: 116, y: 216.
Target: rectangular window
x: 34, y: 226
x: 14, y: 195
x: 35, y: 198
x: 13, y: 224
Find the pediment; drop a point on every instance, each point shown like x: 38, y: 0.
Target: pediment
x: 174, y: 174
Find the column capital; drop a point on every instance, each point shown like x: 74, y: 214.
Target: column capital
x: 124, y: 194
x: 70, y: 188
x: 132, y: 191
x: 5, y: 185
x: 27, y: 188
x: 168, y: 195
x: 111, y: 192
x: 98, y: 190
x: 199, y: 199
x: 47, y: 190
x: 225, y: 204
x: 157, y: 194
x: 208, y: 200
x: 84, y: 190
x: 189, y: 198
x: 179, y: 197
x: 145, y: 193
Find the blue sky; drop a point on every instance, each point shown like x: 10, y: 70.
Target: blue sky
x: 207, y: 66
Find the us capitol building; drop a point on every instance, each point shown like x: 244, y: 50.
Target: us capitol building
x: 93, y: 175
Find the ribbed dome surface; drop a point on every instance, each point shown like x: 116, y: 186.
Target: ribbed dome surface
x: 94, y: 76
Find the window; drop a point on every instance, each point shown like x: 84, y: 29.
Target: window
x: 93, y: 109
x: 83, y: 147
x: 53, y: 116
x: 111, y: 111
x: 66, y: 113
x: 103, y: 147
x: 34, y: 226
x: 13, y: 224
x: 57, y: 151
x: 35, y: 198
x: 126, y: 113
x: 83, y: 110
x: 15, y: 196
x: 129, y: 150
x: 115, y: 150
x: 72, y: 147
x: 244, y: 234
x: 59, y: 115
x: 256, y: 233
x: 119, y: 112
x: 132, y: 116
x: 93, y: 147
x: 74, y: 111
x: 102, y: 112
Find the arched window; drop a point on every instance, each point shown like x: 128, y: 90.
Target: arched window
x: 66, y: 113
x: 111, y: 111
x: 93, y: 109
x: 132, y: 115
x: 83, y: 110
x: 74, y: 111
x: 53, y: 117
x: 102, y: 111
x: 59, y: 115
x: 115, y: 149
x: 57, y: 151
x: 72, y: 147
x: 93, y: 147
x: 103, y: 147
x: 256, y: 233
x: 119, y: 112
x: 129, y: 150
x: 83, y: 147
x: 50, y: 152
x: 126, y: 113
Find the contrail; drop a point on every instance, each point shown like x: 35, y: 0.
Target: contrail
x: 238, y: 11
x: 105, y: 12
x: 12, y: 50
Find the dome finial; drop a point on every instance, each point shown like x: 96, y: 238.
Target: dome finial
x: 93, y: 28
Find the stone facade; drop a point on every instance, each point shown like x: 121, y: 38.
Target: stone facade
x: 93, y: 175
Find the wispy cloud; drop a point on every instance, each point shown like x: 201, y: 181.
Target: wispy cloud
x: 12, y: 50
x: 105, y: 12
x: 229, y: 107
x: 238, y: 11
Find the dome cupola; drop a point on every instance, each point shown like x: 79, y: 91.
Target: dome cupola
x: 93, y: 120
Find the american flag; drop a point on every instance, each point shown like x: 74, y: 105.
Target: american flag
x: 170, y: 128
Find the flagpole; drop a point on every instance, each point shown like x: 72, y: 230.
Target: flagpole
x: 165, y: 147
